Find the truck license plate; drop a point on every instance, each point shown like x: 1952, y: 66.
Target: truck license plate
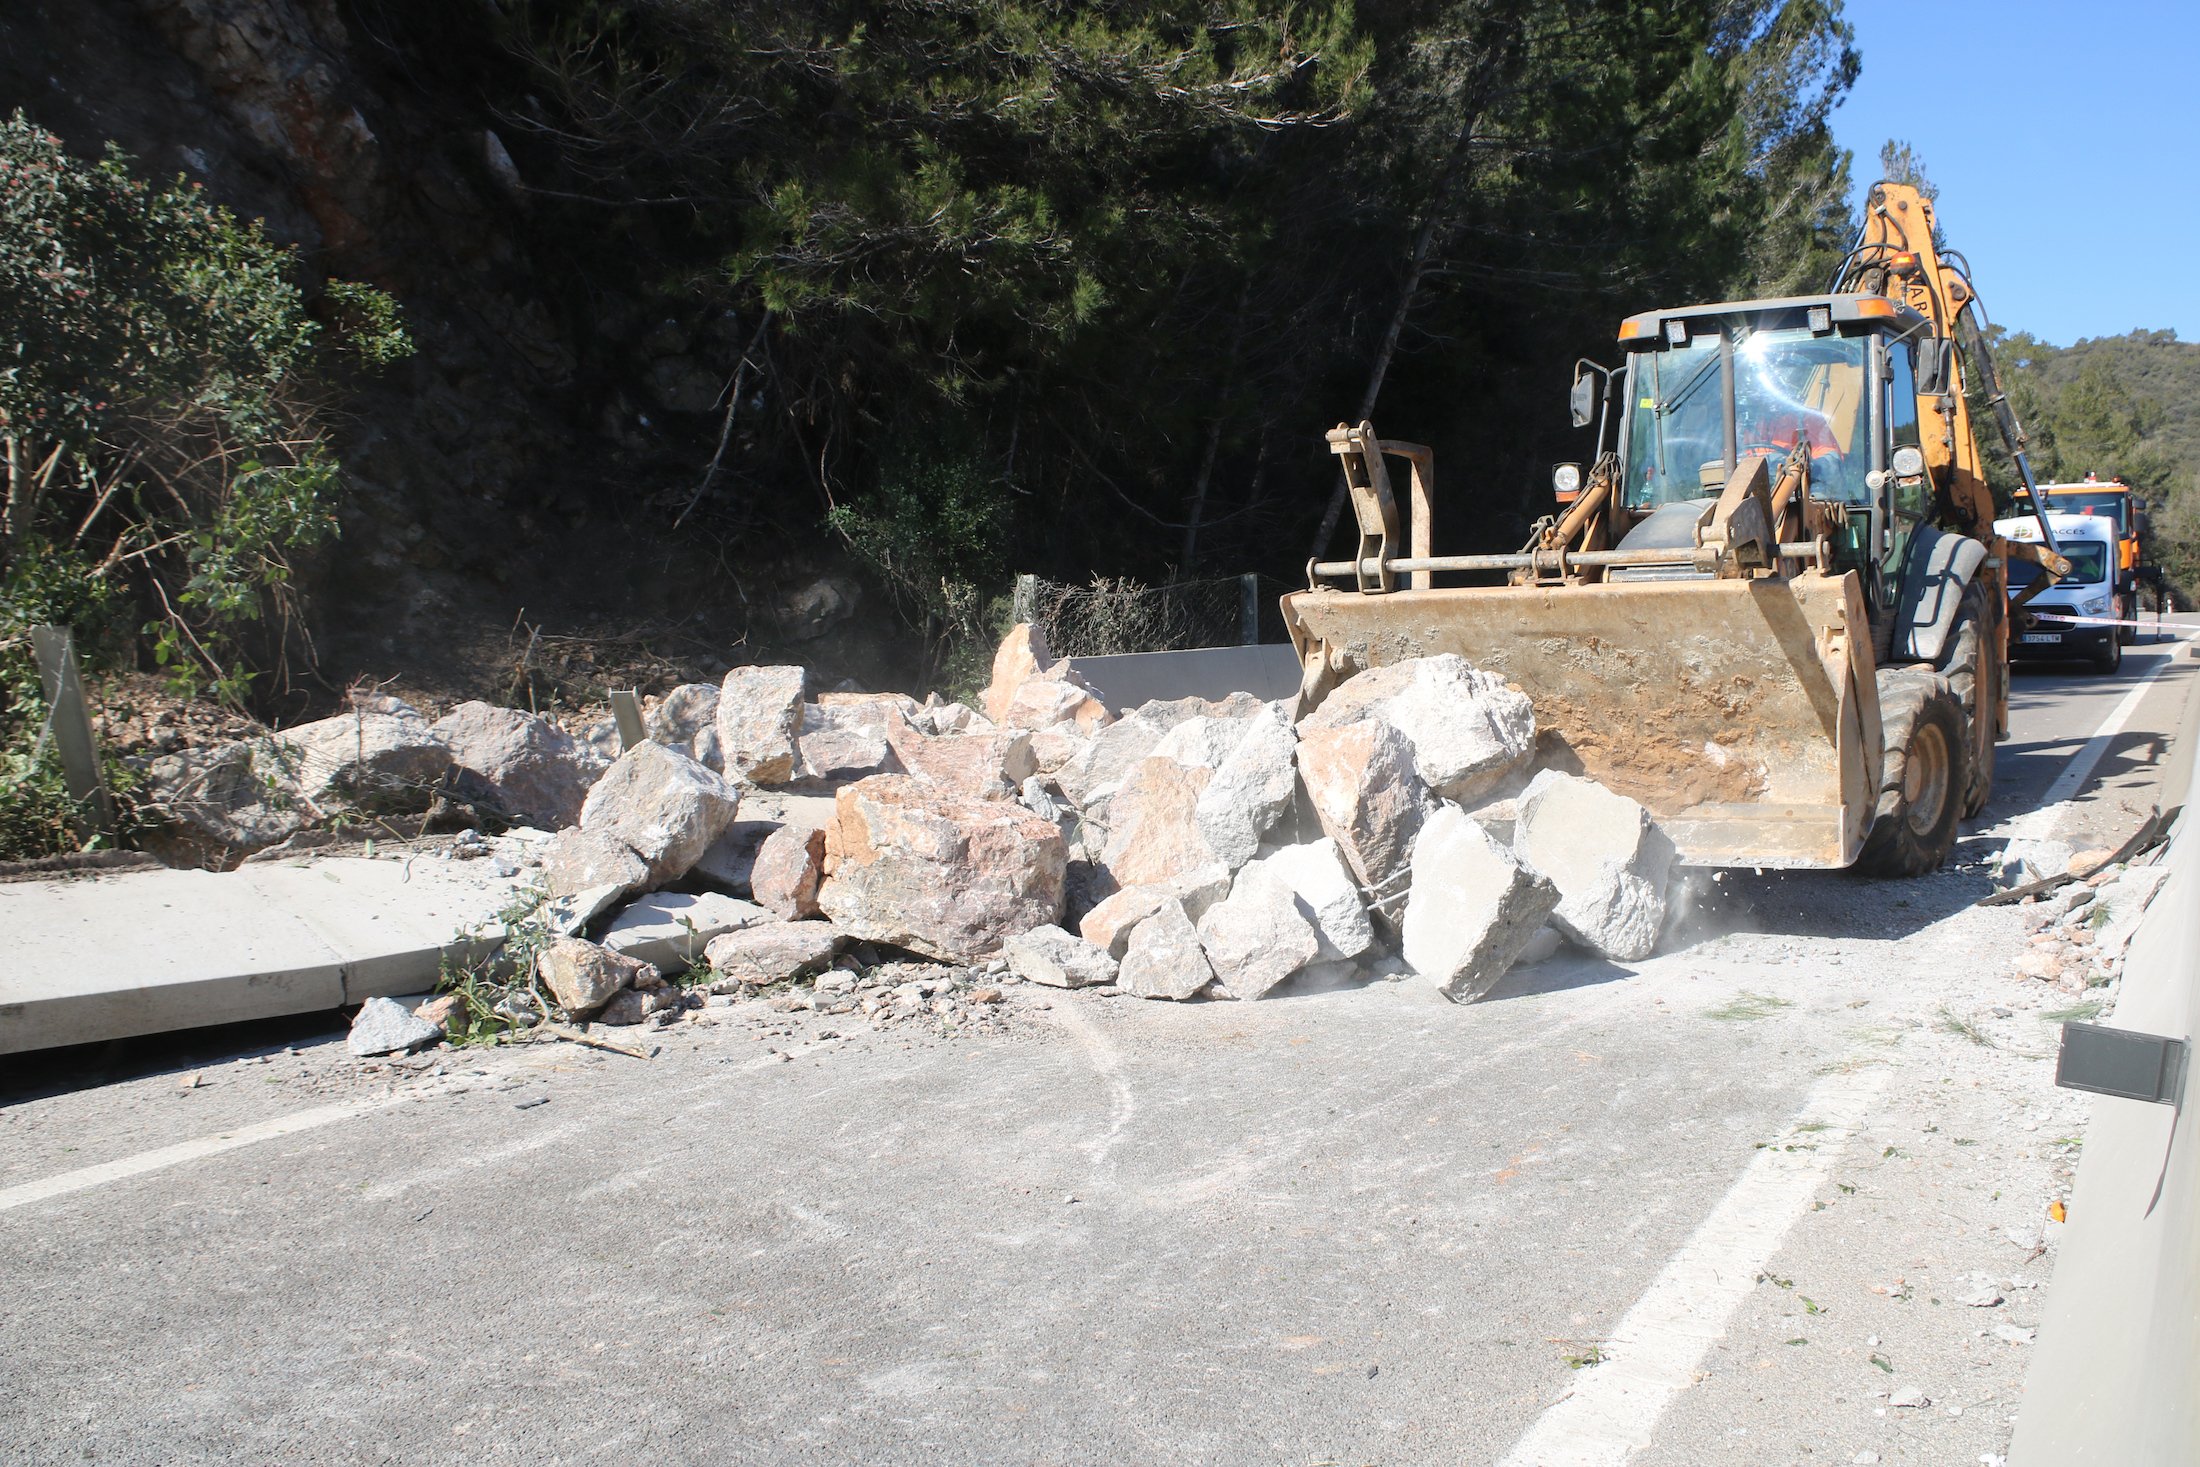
x: 2038, y: 638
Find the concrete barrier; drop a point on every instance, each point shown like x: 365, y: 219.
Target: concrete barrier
x: 1268, y: 671
x: 2116, y: 1376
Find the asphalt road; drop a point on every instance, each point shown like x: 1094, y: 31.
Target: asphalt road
x: 1719, y: 1207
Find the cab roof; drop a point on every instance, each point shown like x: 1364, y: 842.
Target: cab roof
x: 1646, y: 329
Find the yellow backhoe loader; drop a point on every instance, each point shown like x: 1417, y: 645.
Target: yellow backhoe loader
x: 1772, y: 609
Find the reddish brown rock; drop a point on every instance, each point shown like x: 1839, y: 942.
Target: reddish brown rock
x: 1364, y: 788
x: 760, y: 721
x: 789, y: 866
x: 582, y: 976
x: 1019, y: 658
x: 986, y: 766
x: 1153, y: 823
x: 910, y: 863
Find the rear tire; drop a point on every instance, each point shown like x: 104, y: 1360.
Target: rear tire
x: 1975, y: 676
x: 1923, y: 777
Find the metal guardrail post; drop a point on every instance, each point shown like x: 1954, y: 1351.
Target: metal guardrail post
x: 1027, y: 599
x: 1248, y: 609
x: 626, y: 711
x: 69, y: 721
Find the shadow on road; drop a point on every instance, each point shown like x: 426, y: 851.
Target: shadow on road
x: 48, y: 1072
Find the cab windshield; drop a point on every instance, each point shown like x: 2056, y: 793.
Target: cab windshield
x: 1790, y: 388
x: 2088, y: 565
x: 2107, y: 503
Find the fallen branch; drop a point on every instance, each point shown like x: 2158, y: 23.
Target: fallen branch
x: 589, y: 1041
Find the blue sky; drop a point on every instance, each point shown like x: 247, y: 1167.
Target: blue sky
x: 2065, y: 138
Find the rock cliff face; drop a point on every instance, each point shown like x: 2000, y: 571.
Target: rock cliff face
x: 546, y: 416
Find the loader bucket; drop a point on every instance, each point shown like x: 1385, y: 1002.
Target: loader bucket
x: 1743, y: 713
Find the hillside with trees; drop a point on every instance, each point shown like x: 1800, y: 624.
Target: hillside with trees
x: 2120, y: 406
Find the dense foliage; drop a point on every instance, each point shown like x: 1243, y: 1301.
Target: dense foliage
x: 163, y: 460
x: 1119, y: 265
x: 2120, y: 406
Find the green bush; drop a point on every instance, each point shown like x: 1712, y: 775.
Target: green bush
x: 159, y: 379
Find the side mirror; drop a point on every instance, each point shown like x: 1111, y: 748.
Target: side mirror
x: 1936, y: 366
x: 1583, y: 400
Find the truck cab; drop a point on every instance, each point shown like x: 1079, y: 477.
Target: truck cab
x: 2038, y: 630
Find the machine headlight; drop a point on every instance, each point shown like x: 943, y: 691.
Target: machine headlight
x: 1908, y: 463
x: 1566, y: 480
x: 2096, y: 606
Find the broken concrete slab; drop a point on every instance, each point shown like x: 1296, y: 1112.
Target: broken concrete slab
x: 670, y: 929
x: 1606, y: 856
x: 661, y: 805
x: 383, y: 1026
x: 1472, y: 906
x: 1058, y: 959
x: 1163, y: 958
x: 1322, y: 883
x: 759, y: 722
x: 915, y: 865
x: 144, y: 952
x: 1468, y: 728
x: 526, y: 767
x: 1256, y: 937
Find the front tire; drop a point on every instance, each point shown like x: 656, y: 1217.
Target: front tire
x: 1975, y: 676
x: 1923, y: 775
x: 2110, y: 659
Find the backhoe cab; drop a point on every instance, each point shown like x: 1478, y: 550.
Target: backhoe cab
x: 1771, y: 608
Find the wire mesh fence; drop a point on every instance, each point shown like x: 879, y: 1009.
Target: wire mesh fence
x: 1107, y: 616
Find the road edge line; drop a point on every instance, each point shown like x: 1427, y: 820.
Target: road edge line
x: 1615, y: 1408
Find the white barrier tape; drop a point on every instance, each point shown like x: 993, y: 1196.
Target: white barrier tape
x: 2173, y: 628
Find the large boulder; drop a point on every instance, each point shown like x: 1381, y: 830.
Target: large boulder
x: 671, y: 929
x: 773, y: 952
x: 1367, y: 794
x: 582, y: 976
x: 918, y: 866
x: 1472, y: 908
x: 527, y: 767
x: 986, y: 765
x: 1468, y: 728
x: 1153, y: 823
x: 760, y: 722
x: 382, y: 755
x: 687, y: 719
x: 1320, y: 880
x: 788, y: 869
x: 1606, y: 857
x: 1020, y: 658
x: 1097, y: 765
x: 1055, y: 701
x: 1053, y: 957
x: 232, y: 797
x: 1252, y: 786
x: 1256, y: 936
x: 1164, y: 958
x: 661, y: 805
x: 1110, y: 922
x: 847, y: 741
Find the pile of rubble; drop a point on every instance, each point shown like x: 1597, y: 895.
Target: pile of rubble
x: 2080, y: 932
x: 1184, y: 849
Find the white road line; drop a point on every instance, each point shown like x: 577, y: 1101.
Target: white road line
x: 2040, y: 823
x: 1655, y: 1350
x: 168, y: 1156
